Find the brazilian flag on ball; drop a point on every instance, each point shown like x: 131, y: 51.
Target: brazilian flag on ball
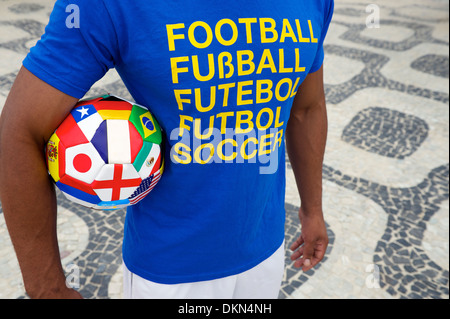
x: 107, y: 153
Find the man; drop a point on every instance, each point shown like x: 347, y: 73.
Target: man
x: 223, y: 81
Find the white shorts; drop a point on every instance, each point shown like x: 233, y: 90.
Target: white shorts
x: 261, y: 282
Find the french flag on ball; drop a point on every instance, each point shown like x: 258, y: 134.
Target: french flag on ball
x: 117, y: 141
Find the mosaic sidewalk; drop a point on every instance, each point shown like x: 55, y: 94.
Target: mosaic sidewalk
x: 386, y: 171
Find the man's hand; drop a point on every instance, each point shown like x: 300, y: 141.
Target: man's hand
x: 310, y: 247
x: 306, y: 135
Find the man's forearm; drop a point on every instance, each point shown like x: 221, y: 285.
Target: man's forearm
x: 29, y: 207
x: 31, y: 113
x: 306, y: 136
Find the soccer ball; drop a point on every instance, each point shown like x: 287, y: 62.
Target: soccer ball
x: 106, y: 154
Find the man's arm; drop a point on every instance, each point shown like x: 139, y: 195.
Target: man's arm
x: 31, y: 113
x: 306, y: 135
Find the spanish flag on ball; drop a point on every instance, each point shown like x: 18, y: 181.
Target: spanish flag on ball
x: 107, y: 153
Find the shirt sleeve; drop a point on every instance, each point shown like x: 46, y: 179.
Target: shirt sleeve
x: 78, y: 47
x: 328, y: 14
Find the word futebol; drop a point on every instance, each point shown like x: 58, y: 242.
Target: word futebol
x: 244, y: 308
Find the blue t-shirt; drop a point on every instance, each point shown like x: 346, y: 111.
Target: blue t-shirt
x: 220, y: 80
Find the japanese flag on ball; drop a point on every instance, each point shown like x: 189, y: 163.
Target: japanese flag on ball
x: 106, y: 154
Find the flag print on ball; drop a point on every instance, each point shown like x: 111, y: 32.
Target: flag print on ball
x: 107, y: 153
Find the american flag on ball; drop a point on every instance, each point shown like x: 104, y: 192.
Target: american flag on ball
x: 106, y: 154
x: 145, y: 187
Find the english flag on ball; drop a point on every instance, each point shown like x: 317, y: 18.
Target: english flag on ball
x: 107, y: 153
